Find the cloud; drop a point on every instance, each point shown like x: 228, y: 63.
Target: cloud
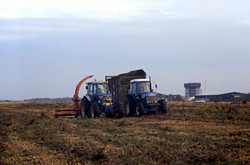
x: 58, y: 8
x: 16, y: 36
x: 223, y: 10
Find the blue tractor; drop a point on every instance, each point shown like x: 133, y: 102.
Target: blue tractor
x: 141, y: 99
x: 136, y: 93
x: 99, y: 100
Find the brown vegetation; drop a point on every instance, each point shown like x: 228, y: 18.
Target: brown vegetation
x: 190, y: 133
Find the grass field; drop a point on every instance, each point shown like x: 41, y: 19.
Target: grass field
x: 190, y: 133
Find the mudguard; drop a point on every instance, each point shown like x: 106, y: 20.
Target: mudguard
x: 88, y: 98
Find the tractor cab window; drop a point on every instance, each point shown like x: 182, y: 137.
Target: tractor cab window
x: 143, y: 87
x: 133, y: 88
x: 90, y: 89
x: 100, y: 88
x: 139, y: 87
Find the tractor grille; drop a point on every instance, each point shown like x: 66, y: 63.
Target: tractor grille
x: 151, y: 99
x: 107, y: 100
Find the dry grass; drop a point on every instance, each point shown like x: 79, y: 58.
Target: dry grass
x: 190, y: 133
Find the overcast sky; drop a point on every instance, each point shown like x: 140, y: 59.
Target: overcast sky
x: 47, y: 47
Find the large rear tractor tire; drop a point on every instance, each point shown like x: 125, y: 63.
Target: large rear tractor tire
x: 163, y: 107
x: 129, y: 107
x: 83, y: 108
x: 126, y: 108
x: 139, y: 110
x: 120, y: 110
x: 91, y: 111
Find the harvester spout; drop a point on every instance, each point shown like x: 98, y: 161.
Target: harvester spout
x: 75, y: 97
x: 76, y: 109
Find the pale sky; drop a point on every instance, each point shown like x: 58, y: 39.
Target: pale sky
x: 47, y: 47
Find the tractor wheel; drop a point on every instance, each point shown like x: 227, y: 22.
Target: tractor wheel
x: 107, y: 114
x: 163, y: 107
x: 86, y: 106
x: 129, y: 107
x: 139, y: 110
x: 120, y: 110
x: 92, y: 113
x: 83, y: 108
x: 110, y: 114
x: 126, y: 108
x: 96, y: 110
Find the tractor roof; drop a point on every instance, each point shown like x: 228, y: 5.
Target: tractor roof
x: 97, y: 82
x: 139, y: 80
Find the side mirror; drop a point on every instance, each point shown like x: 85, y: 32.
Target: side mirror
x: 87, y: 87
x: 155, y: 85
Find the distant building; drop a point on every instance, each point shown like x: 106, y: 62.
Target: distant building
x: 192, y: 89
x: 169, y: 97
x: 226, y: 97
x: 174, y: 97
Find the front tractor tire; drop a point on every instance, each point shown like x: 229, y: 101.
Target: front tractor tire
x: 96, y: 109
x: 139, y: 110
x: 107, y: 114
x: 163, y: 107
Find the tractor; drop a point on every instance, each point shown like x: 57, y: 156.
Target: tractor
x: 99, y: 100
x: 141, y: 99
x: 136, y: 93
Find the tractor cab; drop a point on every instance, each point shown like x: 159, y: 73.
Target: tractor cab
x: 138, y: 86
x: 141, y: 99
x: 141, y: 89
x: 99, y: 97
x: 98, y: 92
x: 97, y: 88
